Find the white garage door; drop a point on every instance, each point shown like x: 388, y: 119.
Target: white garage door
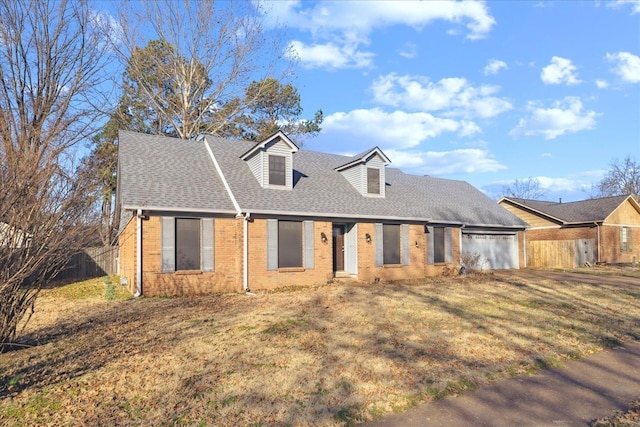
x: 497, y: 251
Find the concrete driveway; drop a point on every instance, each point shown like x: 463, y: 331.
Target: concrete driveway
x: 592, y: 279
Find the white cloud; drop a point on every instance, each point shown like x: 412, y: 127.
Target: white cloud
x: 108, y: 26
x: 397, y: 129
x: 571, y: 183
x: 546, y: 155
x: 627, y: 66
x: 561, y: 70
x: 329, y: 55
x: 467, y: 160
x: 454, y: 96
x: 602, y: 84
x: 559, y: 184
x: 408, y: 51
x: 494, y: 66
x: 363, y: 17
x: 635, y: 5
x: 564, y: 116
x: 351, y: 23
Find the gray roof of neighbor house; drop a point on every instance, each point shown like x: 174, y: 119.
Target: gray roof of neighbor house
x: 161, y: 172
x: 591, y: 210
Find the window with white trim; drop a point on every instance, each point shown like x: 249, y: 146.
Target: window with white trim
x: 277, y: 170
x: 373, y: 180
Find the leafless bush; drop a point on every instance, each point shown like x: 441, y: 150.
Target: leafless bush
x: 50, y: 58
x: 472, y: 262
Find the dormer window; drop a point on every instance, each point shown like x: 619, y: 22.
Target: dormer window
x: 271, y: 162
x: 373, y: 180
x: 277, y: 170
x: 366, y: 172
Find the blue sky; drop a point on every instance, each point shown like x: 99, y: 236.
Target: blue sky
x: 485, y: 92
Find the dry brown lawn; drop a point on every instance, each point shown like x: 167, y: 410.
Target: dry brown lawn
x: 329, y: 355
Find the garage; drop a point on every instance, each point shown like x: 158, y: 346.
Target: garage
x: 497, y: 251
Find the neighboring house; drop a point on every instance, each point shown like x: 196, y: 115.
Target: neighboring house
x: 571, y: 234
x: 218, y: 215
x: 12, y: 237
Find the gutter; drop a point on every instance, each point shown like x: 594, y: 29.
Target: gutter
x: 175, y: 209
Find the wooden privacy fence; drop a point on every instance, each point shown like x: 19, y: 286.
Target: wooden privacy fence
x: 91, y: 262
x: 560, y: 253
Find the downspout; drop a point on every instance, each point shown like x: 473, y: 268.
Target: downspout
x: 245, y: 254
x: 460, y: 246
x: 138, y: 254
x: 598, y: 232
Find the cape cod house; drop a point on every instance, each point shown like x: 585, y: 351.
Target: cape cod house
x: 217, y: 215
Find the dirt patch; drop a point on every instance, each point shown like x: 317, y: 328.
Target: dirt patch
x: 330, y: 355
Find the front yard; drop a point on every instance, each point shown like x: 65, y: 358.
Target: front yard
x: 331, y: 355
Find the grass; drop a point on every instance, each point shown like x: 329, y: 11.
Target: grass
x: 99, y: 288
x: 330, y: 355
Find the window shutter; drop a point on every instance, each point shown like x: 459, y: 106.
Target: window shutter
x: 379, y: 245
x: 308, y: 244
x: 629, y: 239
x: 404, y: 243
x: 430, y: 247
x: 272, y: 244
x: 168, y: 244
x: 207, y: 244
x: 621, y: 239
x: 448, y: 250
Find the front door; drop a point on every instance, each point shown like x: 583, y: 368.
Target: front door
x: 338, y: 247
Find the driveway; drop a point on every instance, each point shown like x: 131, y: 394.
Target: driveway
x: 592, y: 279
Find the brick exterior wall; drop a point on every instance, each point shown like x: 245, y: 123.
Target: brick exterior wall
x: 261, y: 278
x: 127, y: 255
x: 611, y: 252
x: 563, y: 233
x: 228, y: 259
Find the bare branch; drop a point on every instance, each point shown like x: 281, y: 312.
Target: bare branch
x: 50, y: 64
x: 525, y: 189
x: 216, y: 50
x: 622, y: 179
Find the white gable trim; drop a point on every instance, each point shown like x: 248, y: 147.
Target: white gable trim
x: 224, y: 180
x: 365, y: 158
x: 261, y: 145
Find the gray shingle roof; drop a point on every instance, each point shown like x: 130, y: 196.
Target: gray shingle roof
x: 164, y: 172
x: 168, y: 173
x: 590, y: 210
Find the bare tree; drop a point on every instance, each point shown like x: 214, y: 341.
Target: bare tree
x: 50, y: 60
x: 528, y: 188
x: 205, y: 55
x: 622, y: 179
